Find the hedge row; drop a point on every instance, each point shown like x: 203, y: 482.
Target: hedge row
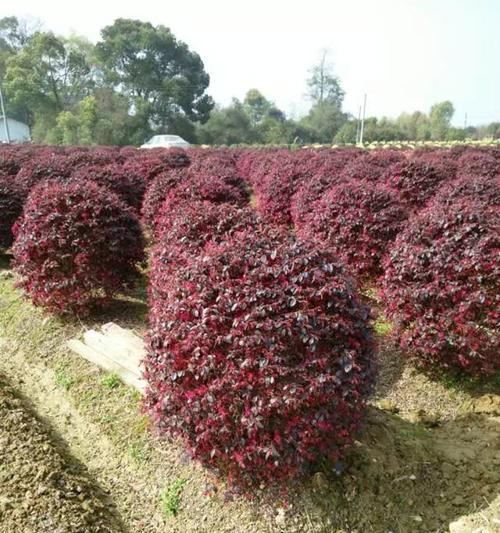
x: 260, y: 350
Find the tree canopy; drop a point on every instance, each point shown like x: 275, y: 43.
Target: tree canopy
x: 139, y: 80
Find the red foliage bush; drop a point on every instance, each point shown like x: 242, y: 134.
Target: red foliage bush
x: 46, y: 165
x: 483, y: 188
x: 254, y: 165
x: 76, y: 245
x: 125, y: 182
x: 371, y: 166
x: 303, y: 201
x: 313, y: 188
x: 415, y: 181
x: 275, y: 191
x: 260, y: 357
x: 175, y: 158
x: 156, y: 193
x: 213, y: 188
x: 441, y: 287
x: 479, y: 163
x: 197, y: 222
x: 183, y: 232
x: 12, y: 198
x: 357, y: 221
x: 176, y: 187
x: 441, y: 161
x: 9, y: 163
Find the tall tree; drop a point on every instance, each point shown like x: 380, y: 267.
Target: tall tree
x: 14, y: 34
x: 158, y: 73
x: 323, y: 122
x: 47, y: 76
x: 324, y: 86
x: 257, y: 106
x: 440, y: 119
x: 228, y: 125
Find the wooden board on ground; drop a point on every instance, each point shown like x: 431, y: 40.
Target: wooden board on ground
x: 114, y: 349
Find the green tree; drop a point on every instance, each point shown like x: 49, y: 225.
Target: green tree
x: 228, y: 125
x: 47, y: 76
x: 323, y: 122
x: 347, y: 133
x: 440, y: 118
x: 324, y: 86
x: 162, y: 78
x: 413, y: 126
x: 14, y: 34
x: 257, y: 106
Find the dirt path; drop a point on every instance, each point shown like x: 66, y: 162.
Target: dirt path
x: 84, y: 439
x: 42, y: 487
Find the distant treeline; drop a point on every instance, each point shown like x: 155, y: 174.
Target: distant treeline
x: 139, y: 80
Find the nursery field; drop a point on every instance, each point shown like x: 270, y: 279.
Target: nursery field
x: 321, y: 331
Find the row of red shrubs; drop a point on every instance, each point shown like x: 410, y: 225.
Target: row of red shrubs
x: 261, y: 353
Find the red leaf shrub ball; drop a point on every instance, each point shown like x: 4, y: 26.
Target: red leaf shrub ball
x: 357, y: 221
x: 441, y: 287
x: 76, y: 245
x: 415, y: 181
x: 262, y: 358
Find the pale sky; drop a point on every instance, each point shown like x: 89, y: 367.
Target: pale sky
x: 405, y: 54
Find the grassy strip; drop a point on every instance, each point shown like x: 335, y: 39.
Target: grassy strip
x: 97, y: 395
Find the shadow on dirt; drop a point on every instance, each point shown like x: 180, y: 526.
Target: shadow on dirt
x: 405, y: 477
x: 391, y: 364
x: 38, y: 468
x: 5, y: 260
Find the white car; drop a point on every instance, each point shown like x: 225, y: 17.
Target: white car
x: 166, y: 141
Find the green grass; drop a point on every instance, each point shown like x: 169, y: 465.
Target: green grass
x: 171, y: 498
x: 63, y: 379
x: 111, y: 381
x: 382, y: 327
x: 138, y: 452
x: 459, y: 382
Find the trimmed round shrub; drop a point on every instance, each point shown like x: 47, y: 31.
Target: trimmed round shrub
x: 415, y: 181
x: 197, y: 222
x: 125, y: 183
x: 275, y: 191
x: 156, y: 193
x: 312, y: 189
x: 304, y: 200
x: 260, y: 357
x: 441, y: 161
x: 479, y: 163
x: 175, y: 158
x: 441, y: 287
x: 371, y: 167
x: 76, y: 246
x: 12, y: 198
x: 9, y: 163
x: 46, y: 165
x: 211, y: 187
x: 357, y: 221
x: 183, y: 232
x: 483, y: 188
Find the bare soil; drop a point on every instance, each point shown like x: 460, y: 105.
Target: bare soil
x: 427, y: 456
x: 42, y: 487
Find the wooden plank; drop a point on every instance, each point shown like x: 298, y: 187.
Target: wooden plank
x: 124, y: 335
x: 100, y: 359
x: 118, y: 352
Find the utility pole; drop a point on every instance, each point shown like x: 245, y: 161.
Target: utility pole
x: 362, y: 122
x: 357, y: 125
x: 465, y: 121
x: 5, y: 123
